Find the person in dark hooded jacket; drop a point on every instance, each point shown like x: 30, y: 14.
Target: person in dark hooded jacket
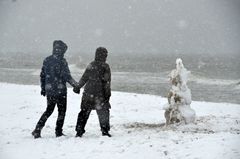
x: 97, y: 92
x: 54, y: 75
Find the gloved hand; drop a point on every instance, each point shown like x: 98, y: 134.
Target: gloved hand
x: 76, y: 90
x: 43, y: 93
x: 107, y: 99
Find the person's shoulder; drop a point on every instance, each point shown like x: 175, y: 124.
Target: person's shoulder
x: 64, y: 61
x: 47, y: 58
x: 106, y: 65
x: 91, y: 65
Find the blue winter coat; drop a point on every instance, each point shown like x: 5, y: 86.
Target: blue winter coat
x: 54, y: 75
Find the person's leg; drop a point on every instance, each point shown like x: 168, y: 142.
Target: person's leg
x: 62, y: 107
x: 103, y: 116
x: 83, y: 116
x: 82, y: 121
x: 51, y: 102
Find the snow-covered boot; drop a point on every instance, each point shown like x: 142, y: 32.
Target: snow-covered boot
x: 106, y: 134
x: 59, y: 134
x: 79, y: 134
x: 36, y: 133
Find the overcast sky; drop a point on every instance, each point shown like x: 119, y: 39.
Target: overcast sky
x: 123, y: 26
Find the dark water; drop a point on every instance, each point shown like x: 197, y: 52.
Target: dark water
x: 214, y: 78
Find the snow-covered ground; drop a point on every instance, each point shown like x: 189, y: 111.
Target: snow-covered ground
x: 137, y: 128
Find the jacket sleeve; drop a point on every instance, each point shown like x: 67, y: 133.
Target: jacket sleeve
x: 43, y: 76
x: 67, y: 75
x: 85, y: 77
x: 107, y: 82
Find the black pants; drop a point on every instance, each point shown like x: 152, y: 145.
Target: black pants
x: 103, y: 116
x: 62, y: 106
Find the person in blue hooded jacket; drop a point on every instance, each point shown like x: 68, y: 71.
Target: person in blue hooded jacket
x: 54, y: 75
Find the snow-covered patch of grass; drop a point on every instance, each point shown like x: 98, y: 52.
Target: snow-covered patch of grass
x: 137, y: 126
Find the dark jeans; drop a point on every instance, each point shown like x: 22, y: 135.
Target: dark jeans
x: 62, y: 106
x: 103, y: 116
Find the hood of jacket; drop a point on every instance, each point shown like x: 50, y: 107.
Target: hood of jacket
x: 101, y: 54
x: 59, y: 48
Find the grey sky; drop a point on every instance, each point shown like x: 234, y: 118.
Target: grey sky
x: 123, y: 26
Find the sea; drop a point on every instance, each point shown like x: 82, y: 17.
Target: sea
x: 213, y: 78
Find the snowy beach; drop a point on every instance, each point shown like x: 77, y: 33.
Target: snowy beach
x: 125, y: 52
x: 137, y: 126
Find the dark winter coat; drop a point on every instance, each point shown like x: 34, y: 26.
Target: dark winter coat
x: 55, y: 72
x: 97, y: 80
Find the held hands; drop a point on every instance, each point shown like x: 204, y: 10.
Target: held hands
x: 107, y: 99
x: 76, y: 90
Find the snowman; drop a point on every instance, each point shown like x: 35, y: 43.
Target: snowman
x: 178, y: 109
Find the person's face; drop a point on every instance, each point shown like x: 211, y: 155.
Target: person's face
x: 59, y: 50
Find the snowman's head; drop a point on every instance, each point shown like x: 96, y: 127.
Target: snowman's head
x: 179, y: 64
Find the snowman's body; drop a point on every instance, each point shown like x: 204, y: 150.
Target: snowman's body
x: 179, y: 97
